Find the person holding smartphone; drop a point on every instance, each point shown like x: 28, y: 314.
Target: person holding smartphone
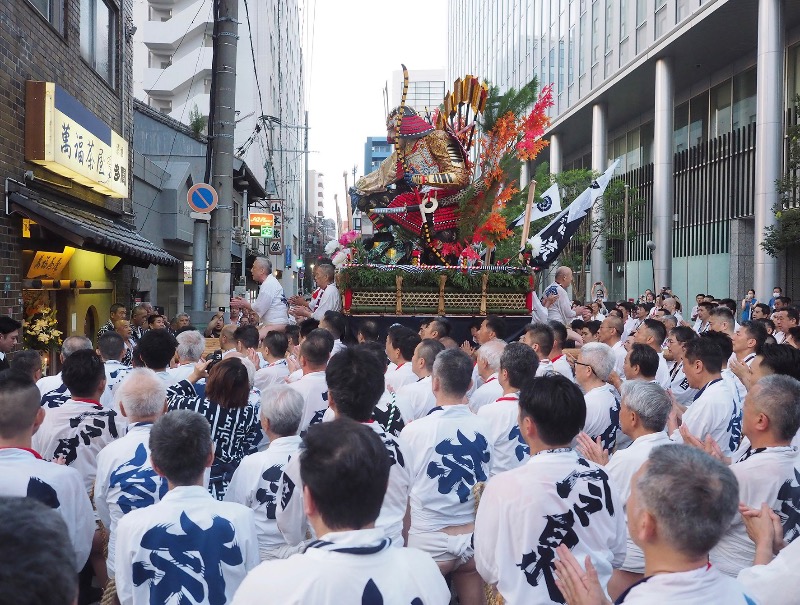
x: 748, y: 302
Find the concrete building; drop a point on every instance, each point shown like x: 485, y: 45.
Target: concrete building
x: 376, y: 149
x: 66, y: 231
x: 698, y: 123
x: 172, y: 73
x: 316, y: 194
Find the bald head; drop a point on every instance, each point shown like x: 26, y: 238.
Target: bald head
x: 226, y: 339
x: 563, y: 273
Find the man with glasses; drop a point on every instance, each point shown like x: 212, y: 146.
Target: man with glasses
x: 592, y: 369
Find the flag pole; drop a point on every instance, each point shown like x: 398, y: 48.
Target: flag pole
x: 526, y: 225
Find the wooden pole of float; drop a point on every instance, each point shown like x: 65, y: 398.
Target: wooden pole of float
x: 526, y: 225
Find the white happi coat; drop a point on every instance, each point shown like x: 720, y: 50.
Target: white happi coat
x: 765, y: 475
x: 448, y: 452
x: 25, y: 474
x: 662, y: 373
x: 777, y: 583
x: 256, y: 485
x: 488, y: 392
x: 701, y: 586
x: 556, y: 497
x: 621, y: 467
x: 125, y: 481
x: 292, y: 521
x: 618, y: 348
x: 400, y: 376
x: 415, y: 399
x: 273, y: 373
x: 116, y: 371
x: 714, y: 411
x: 78, y: 430
x: 188, y: 548
x: 314, y: 389
x: 509, y: 449
x: 679, y: 385
x: 348, y: 567
x: 602, y: 415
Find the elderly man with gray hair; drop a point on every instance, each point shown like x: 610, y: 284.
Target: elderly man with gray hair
x: 255, y: 483
x: 325, y: 298
x: 271, y: 304
x: 592, y: 370
x: 54, y: 383
x: 191, y: 345
x: 487, y: 365
x: 643, y: 418
x: 125, y: 479
x: 681, y: 503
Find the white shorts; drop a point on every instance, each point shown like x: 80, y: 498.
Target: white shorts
x: 443, y: 547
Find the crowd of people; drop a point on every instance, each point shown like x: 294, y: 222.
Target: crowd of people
x: 623, y: 452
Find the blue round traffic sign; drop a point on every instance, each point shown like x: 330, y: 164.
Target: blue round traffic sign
x: 202, y: 197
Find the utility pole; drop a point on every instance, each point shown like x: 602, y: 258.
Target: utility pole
x: 304, y: 207
x: 224, y: 83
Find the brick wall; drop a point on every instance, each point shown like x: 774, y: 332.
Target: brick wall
x: 31, y: 49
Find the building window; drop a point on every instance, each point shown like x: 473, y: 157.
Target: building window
x: 609, y: 24
x: 52, y: 10
x: 571, y: 56
x: 661, y: 17
x: 581, y: 49
x: 681, y: 10
x: 623, y: 16
x: 99, y: 37
x: 641, y: 12
x: 721, y: 109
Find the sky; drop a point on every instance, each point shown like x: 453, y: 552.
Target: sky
x: 351, y: 50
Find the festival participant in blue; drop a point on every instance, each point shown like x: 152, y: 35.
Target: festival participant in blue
x: 642, y: 418
x: 189, y: 547
x: 234, y: 422
x: 557, y: 497
x: 125, y: 479
x: 681, y: 502
x: 714, y: 410
x: 518, y: 364
x: 25, y: 474
x: 355, y: 385
x: 449, y: 452
x: 256, y: 483
x: 345, y: 471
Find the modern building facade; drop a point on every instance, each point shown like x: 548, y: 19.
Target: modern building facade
x: 376, y: 149
x: 172, y: 73
x: 693, y: 96
x: 316, y: 194
x: 426, y: 88
x: 67, y: 234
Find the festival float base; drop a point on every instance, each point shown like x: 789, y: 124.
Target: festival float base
x: 410, y: 290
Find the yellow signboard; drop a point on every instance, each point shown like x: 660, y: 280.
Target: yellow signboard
x: 49, y: 264
x: 65, y: 137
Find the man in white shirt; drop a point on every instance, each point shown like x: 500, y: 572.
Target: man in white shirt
x: 448, y: 454
x: 81, y: 427
x: 509, y: 449
x: 629, y: 322
x: 556, y: 497
x: 345, y: 470
x: 562, y: 311
x: 714, y: 410
x: 488, y: 365
x: 25, y: 474
x: 652, y: 333
x: 9, y: 338
x: 355, y: 385
x: 592, y: 368
x: 111, y: 349
x: 47, y: 384
x: 642, y: 418
x: 540, y: 338
x: 560, y: 363
x: 157, y: 350
x: 784, y: 320
x: 748, y: 340
x: 191, y: 346
x: 325, y: 298
x: 271, y: 304
x: 334, y: 322
x: 703, y: 313
x: 436, y: 328
x: 416, y: 399
x: 256, y: 482
x: 401, y: 343
x: 641, y: 363
x: 681, y: 502
x: 610, y: 333
x: 679, y: 386
x: 767, y: 470
x: 125, y: 479
x: 275, y: 345
x: 315, y: 351
x: 670, y: 305
x: 188, y: 547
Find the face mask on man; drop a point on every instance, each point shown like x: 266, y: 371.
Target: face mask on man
x: 776, y: 294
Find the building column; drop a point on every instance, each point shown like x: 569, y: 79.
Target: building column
x: 599, y: 164
x: 769, y: 137
x: 556, y: 155
x: 663, y: 186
